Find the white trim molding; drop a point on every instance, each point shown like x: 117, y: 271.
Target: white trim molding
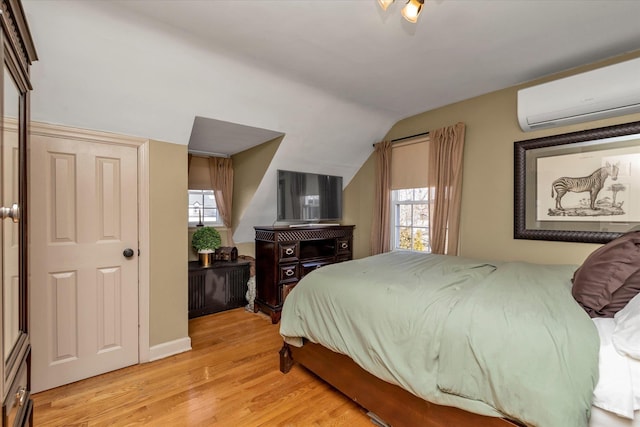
x: 169, y: 348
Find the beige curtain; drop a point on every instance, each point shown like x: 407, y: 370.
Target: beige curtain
x: 221, y: 172
x: 380, y: 233
x: 445, y: 181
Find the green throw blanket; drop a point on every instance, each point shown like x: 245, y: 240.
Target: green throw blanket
x: 498, y: 339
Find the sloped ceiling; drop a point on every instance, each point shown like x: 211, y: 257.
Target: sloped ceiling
x: 333, y: 76
x: 218, y: 138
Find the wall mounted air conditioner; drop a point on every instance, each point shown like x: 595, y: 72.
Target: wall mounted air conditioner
x: 605, y: 92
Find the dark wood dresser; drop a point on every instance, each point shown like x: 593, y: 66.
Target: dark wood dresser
x: 284, y: 255
x: 220, y: 286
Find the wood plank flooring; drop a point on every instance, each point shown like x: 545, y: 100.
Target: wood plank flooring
x: 230, y: 378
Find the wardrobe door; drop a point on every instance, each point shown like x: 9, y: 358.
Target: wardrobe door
x: 17, y: 54
x: 14, y: 327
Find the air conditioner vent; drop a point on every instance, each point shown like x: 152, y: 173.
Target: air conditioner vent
x: 606, y: 92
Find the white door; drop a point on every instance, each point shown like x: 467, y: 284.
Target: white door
x: 83, y: 260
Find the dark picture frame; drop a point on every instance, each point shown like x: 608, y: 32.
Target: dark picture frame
x: 551, y: 175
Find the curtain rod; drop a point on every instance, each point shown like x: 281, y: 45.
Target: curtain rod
x: 207, y: 154
x: 407, y: 137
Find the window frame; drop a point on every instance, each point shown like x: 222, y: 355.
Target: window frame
x: 194, y: 223
x: 394, y: 216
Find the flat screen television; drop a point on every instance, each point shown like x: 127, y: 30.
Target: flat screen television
x: 309, y: 197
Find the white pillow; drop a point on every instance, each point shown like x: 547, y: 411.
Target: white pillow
x: 626, y: 335
x: 614, y: 391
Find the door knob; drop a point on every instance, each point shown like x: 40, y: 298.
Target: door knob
x: 128, y: 253
x: 13, y: 212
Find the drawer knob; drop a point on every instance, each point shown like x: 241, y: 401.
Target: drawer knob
x: 344, y: 245
x: 288, y: 251
x: 21, y: 396
x: 289, y: 272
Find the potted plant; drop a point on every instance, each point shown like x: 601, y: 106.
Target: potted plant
x: 205, y: 241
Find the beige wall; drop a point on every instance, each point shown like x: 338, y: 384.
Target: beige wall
x: 168, y: 275
x: 249, y: 168
x: 487, y: 196
x: 357, y: 207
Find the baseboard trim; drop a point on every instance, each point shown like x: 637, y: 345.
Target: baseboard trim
x: 169, y: 348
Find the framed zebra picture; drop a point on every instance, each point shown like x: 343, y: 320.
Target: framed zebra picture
x: 578, y: 187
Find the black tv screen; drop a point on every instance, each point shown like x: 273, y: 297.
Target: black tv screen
x: 309, y: 197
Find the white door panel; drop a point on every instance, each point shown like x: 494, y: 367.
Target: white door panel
x: 84, y: 303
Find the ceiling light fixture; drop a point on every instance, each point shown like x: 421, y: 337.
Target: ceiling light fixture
x: 410, y: 11
x: 384, y: 4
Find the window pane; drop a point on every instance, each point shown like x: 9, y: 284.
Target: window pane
x: 202, y: 207
x: 195, y: 206
x: 420, y: 194
x: 195, y: 198
x: 404, y: 238
x: 421, y: 239
x: 194, y: 215
x: 421, y: 215
x: 209, y: 199
x: 403, y: 195
x: 210, y: 214
x: 404, y: 215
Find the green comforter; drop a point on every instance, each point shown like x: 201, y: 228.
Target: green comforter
x: 499, y: 339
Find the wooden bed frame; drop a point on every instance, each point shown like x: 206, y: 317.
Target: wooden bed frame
x: 396, y: 406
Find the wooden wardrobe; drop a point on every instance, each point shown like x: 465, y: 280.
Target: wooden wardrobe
x: 17, y: 54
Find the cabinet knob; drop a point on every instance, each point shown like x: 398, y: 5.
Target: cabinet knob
x: 289, y: 272
x: 288, y: 251
x: 344, y: 245
x: 21, y: 396
x: 13, y: 212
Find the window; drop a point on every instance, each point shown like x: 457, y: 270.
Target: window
x: 202, y: 208
x: 410, y: 219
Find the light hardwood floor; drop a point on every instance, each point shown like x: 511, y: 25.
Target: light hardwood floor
x: 230, y: 378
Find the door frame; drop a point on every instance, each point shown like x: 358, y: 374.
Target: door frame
x: 142, y: 145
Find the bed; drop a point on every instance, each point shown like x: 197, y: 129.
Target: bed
x: 437, y: 340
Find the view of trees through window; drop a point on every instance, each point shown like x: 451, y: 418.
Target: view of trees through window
x: 202, y: 207
x: 410, y: 218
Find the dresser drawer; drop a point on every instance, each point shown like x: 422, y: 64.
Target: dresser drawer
x: 18, y: 399
x: 343, y: 246
x: 285, y: 289
x: 288, y: 272
x: 288, y: 251
x: 308, y: 267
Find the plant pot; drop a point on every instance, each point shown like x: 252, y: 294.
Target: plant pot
x: 204, y: 258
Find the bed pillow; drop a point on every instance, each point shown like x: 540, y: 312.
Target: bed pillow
x: 626, y: 335
x: 609, y: 277
x: 614, y: 390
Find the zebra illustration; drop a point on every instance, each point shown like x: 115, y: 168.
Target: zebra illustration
x: 592, y: 183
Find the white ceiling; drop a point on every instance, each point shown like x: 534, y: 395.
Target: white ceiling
x: 331, y: 75
x: 457, y: 50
